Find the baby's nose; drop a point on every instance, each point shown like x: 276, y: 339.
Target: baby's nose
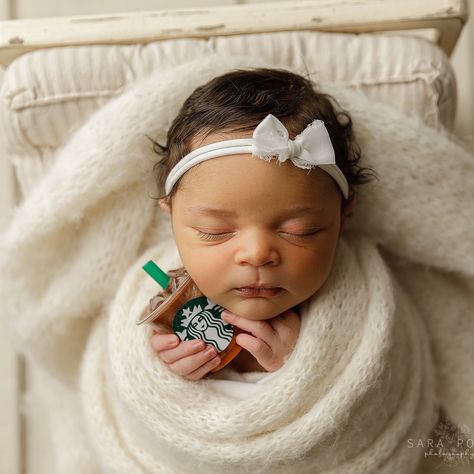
x: 257, y: 249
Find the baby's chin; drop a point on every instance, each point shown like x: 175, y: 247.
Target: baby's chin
x: 255, y: 309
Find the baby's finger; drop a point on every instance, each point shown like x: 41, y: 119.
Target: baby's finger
x: 204, y: 369
x: 183, y: 349
x: 286, y: 324
x: 258, y: 348
x: 187, y: 365
x: 161, y: 342
x: 260, y: 329
x: 160, y: 329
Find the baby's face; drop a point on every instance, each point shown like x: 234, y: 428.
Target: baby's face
x: 257, y: 237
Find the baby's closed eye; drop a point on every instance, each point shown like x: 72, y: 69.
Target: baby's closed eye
x: 218, y: 234
x: 214, y: 235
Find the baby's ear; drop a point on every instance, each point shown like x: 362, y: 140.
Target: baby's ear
x: 347, y: 209
x: 165, y: 204
x: 348, y: 206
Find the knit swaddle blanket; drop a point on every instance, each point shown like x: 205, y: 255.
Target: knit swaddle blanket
x: 383, y: 345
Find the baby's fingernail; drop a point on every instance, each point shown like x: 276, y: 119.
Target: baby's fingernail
x: 226, y: 316
x: 172, y: 340
x: 210, y: 350
x: 198, y: 343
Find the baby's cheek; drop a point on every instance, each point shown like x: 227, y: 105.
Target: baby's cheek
x: 314, y: 272
x: 312, y: 283
x: 204, y: 269
x: 208, y: 284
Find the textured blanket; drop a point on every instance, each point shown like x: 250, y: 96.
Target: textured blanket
x: 385, y: 344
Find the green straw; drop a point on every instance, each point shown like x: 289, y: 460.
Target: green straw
x: 156, y: 273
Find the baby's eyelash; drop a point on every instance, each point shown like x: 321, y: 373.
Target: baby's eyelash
x: 303, y: 234
x: 212, y: 236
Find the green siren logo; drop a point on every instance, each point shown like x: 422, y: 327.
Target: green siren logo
x: 201, y: 319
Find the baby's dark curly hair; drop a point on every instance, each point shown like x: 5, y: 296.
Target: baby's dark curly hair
x: 239, y: 100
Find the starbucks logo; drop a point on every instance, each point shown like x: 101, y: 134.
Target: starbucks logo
x: 200, y: 318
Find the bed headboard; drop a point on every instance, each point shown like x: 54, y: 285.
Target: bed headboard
x: 46, y: 96
x: 439, y: 20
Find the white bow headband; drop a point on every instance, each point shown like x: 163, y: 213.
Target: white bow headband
x: 311, y: 148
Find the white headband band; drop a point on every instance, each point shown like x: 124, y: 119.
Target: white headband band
x: 270, y: 140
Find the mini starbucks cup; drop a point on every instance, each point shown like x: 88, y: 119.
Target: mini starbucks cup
x: 183, y: 309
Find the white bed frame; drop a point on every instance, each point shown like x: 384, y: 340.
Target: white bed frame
x: 443, y: 18
x: 438, y: 20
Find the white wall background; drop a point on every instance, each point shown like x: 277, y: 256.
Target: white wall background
x: 17, y: 437
x: 463, y: 62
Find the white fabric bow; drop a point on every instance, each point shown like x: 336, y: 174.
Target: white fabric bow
x: 311, y: 148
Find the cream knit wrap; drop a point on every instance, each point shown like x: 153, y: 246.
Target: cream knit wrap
x: 383, y: 344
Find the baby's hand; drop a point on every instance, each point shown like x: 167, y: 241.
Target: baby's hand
x: 270, y: 342
x: 190, y: 359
